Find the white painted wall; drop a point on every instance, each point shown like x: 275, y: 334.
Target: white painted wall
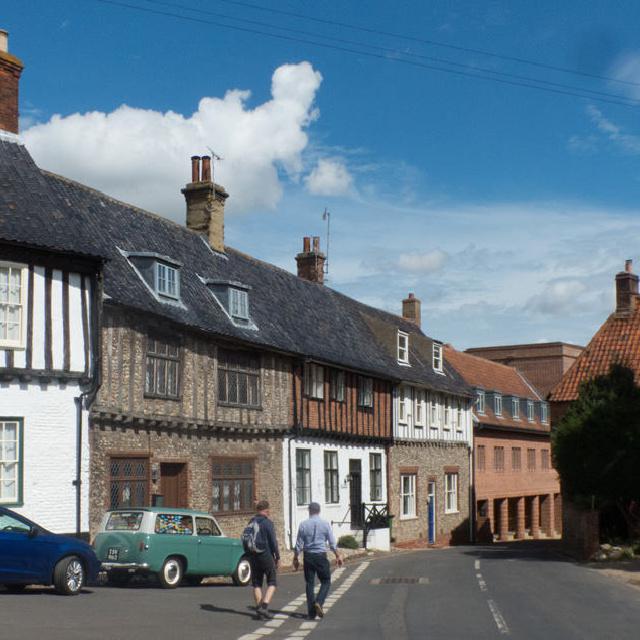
x: 338, y: 513
x: 49, y: 452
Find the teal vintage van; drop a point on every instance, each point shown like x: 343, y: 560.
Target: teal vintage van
x: 174, y: 544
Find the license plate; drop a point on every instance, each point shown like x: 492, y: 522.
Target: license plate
x: 113, y: 553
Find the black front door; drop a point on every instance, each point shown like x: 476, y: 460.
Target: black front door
x: 355, y: 494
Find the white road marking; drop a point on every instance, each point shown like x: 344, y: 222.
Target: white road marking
x: 497, y: 616
x: 477, y: 565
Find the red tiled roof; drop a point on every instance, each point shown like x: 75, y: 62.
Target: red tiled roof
x: 489, y: 375
x: 617, y: 341
x: 493, y: 376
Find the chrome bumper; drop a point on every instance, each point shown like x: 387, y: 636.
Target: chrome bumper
x: 131, y: 567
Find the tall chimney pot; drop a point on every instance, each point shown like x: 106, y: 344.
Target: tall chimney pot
x: 626, y: 289
x: 412, y: 309
x: 311, y: 262
x: 206, y: 168
x: 205, y: 203
x: 10, y: 71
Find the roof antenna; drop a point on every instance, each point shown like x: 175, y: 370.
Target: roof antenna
x: 214, y: 157
x: 327, y: 216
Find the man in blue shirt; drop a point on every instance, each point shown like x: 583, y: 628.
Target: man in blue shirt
x: 314, y: 535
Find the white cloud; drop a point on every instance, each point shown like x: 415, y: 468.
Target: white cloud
x: 560, y: 297
x: 627, y: 70
x: 627, y: 142
x: 142, y: 156
x: 330, y: 177
x: 422, y: 262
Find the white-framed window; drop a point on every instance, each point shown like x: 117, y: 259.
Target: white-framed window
x: 451, y: 492
x: 337, y: 386
x: 447, y: 413
x: 10, y: 462
x: 434, y: 410
x: 460, y: 409
x: 314, y: 380
x: 408, y: 495
x: 403, y: 413
x: 13, y: 290
x: 497, y: 404
x: 331, y: 479
x: 375, y: 477
x: 455, y: 413
x: 303, y: 476
x: 420, y: 408
x: 403, y: 347
x: 167, y: 281
x: 544, y: 412
x: 238, y: 303
x: 480, y: 401
x: 515, y: 408
x: 365, y: 392
x: 437, y: 356
x: 531, y: 416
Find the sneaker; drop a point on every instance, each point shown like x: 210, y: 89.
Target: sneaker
x: 265, y: 614
x: 319, y: 610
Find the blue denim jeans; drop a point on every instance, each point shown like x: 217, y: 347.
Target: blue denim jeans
x: 316, y: 564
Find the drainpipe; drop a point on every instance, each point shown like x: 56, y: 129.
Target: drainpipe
x: 87, y: 397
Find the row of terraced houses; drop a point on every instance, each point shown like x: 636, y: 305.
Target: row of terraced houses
x: 145, y: 362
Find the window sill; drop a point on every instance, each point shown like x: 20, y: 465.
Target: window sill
x: 448, y: 513
x: 12, y: 347
x: 222, y: 514
x: 157, y: 396
x: 405, y: 518
x: 233, y: 405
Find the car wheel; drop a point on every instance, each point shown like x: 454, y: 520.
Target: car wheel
x: 194, y: 581
x: 170, y: 575
x: 118, y: 579
x: 242, y: 575
x: 69, y: 576
x: 15, y: 588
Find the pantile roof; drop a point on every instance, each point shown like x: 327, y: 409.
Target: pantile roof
x: 616, y: 342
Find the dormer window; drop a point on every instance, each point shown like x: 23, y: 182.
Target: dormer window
x: 544, y: 412
x: 480, y: 401
x: 497, y: 404
x: 403, y: 347
x: 515, y: 408
x: 238, y: 303
x: 167, y: 280
x: 233, y: 298
x: 530, y: 411
x: 437, y: 357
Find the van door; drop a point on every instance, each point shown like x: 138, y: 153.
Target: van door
x: 214, y: 549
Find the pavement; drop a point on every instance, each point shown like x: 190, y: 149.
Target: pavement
x: 522, y: 590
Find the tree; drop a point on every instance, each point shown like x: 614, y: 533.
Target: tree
x: 596, y: 445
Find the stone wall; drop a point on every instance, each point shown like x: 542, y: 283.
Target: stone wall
x: 430, y: 460
x: 195, y: 448
x: 580, y: 531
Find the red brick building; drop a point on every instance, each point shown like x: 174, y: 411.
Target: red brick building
x: 543, y: 363
x: 517, y: 492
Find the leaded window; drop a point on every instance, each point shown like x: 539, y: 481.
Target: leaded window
x: 337, y: 386
x: 331, y: 479
x: 314, y: 381
x: 239, y: 378
x: 233, y: 485
x: 498, y: 459
x: 162, y: 377
x: 129, y: 482
x: 303, y: 476
x: 365, y: 392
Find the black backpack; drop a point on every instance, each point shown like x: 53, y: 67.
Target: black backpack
x: 249, y: 536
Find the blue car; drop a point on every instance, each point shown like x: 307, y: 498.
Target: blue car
x: 30, y: 554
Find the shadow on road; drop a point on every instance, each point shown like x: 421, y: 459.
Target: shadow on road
x: 521, y: 550
x: 213, y: 609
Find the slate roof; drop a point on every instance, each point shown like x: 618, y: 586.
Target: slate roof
x: 293, y: 315
x: 30, y: 213
x: 492, y: 376
x: 616, y: 342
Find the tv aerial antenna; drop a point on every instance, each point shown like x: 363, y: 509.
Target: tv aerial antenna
x: 327, y: 217
x: 214, y: 157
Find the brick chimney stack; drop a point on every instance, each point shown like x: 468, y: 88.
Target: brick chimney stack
x: 10, y: 70
x: 626, y: 288
x: 205, y: 203
x: 411, y: 309
x: 311, y: 261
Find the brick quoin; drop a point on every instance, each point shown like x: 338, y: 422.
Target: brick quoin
x: 10, y: 70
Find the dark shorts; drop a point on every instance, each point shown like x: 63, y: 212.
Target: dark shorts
x: 262, y: 566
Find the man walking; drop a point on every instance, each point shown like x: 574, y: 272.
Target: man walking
x: 264, y: 556
x: 314, y: 535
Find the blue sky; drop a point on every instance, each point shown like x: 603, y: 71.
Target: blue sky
x: 507, y: 210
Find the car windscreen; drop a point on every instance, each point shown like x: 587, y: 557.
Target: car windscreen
x: 124, y: 521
